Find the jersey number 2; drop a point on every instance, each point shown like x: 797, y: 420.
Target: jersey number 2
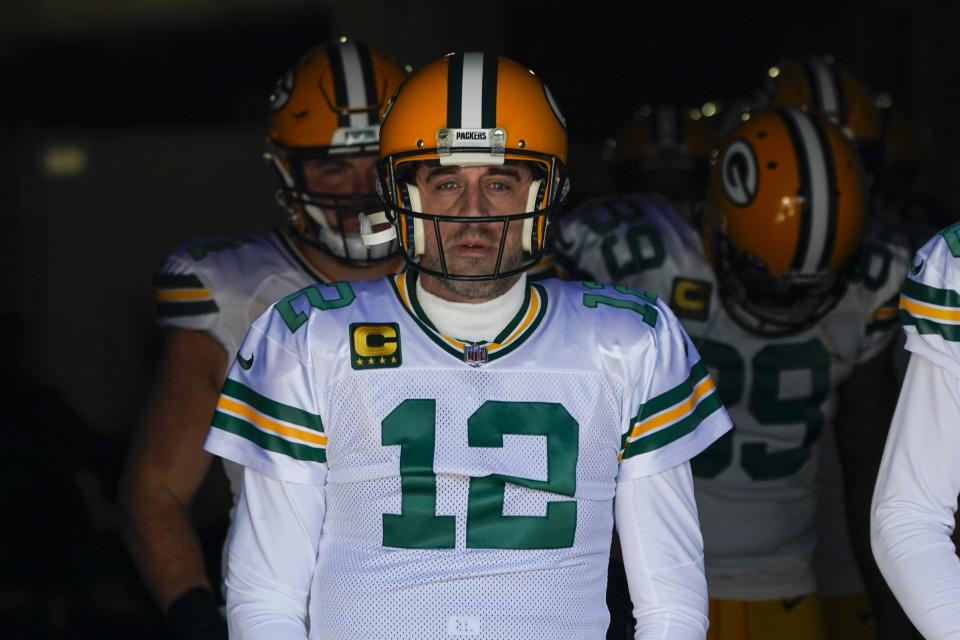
x: 412, y: 426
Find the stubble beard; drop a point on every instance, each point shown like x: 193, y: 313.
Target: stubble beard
x: 477, y: 290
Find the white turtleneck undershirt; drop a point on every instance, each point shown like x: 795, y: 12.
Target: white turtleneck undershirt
x: 473, y: 321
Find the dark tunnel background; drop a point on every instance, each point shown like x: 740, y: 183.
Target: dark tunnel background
x: 126, y: 128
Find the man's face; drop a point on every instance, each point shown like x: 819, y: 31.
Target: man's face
x: 341, y: 176
x: 472, y: 248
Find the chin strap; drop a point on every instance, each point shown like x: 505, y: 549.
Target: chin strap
x: 411, y: 196
x: 373, y: 238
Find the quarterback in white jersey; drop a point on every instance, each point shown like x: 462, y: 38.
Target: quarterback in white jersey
x: 779, y: 374
x: 443, y: 453
x: 322, y: 129
x: 915, y: 501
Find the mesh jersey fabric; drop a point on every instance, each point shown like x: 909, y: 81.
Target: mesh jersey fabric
x: 464, y: 497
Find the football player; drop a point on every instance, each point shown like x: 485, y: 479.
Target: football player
x: 443, y: 452
x: 822, y: 84
x: 915, y: 500
x: 664, y: 149
x: 323, y: 130
x: 792, y: 318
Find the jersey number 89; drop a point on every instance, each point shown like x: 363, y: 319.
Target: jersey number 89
x: 766, y: 405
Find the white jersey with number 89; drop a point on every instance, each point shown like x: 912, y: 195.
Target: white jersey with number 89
x: 756, y: 487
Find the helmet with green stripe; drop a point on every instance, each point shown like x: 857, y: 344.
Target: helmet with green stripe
x: 785, y: 209
x: 469, y: 110
x: 322, y: 138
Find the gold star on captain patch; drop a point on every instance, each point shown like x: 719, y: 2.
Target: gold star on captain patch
x: 393, y: 360
x: 383, y: 360
x: 359, y: 362
x: 370, y: 361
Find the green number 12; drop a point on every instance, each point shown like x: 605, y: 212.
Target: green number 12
x: 412, y: 426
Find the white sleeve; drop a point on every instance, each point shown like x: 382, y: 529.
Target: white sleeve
x: 663, y: 554
x: 272, y: 554
x: 915, y: 500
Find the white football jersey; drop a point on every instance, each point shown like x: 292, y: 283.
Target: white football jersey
x: 220, y: 285
x: 915, y: 498
x: 468, y: 487
x: 756, y: 487
x: 930, y: 304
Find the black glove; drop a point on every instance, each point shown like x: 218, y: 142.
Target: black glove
x: 194, y: 615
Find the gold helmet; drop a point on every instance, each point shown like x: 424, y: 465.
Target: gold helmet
x: 785, y: 209
x: 328, y: 106
x: 819, y: 83
x: 664, y: 149
x: 470, y: 109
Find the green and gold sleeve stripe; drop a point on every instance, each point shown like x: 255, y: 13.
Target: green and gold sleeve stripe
x: 181, y: 295
x: 884, y: 317
x: 930, y: 310
x: 673, y: 414
x: 271, y: 425
x: 930, y: 295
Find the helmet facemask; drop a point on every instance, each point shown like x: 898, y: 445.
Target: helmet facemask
x: 768, y: 306
x: 328, y: 106
x: 324, y: 220
x: 412, y: 226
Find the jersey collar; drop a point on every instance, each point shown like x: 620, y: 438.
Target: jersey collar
x: 522, y: 326
x: 286, y: 241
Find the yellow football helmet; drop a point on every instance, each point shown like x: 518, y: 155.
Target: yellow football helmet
x: 469, y: 109
x: 819, y: 83
x: 664, y: 149
x: 329, y: 105
x: 785, y: 209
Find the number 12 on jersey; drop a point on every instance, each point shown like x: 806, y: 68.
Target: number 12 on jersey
x: 412, y: 426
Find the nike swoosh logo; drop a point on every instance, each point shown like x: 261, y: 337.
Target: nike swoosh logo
x: 917, y: 268
x: 245, y: 363
x: 790, y: 603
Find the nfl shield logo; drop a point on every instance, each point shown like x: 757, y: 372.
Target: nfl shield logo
x: 475, y: 354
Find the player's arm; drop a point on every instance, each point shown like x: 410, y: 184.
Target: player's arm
x: 662, y: 548
x: 163, y: 471
x: 679, y: 414
x: 267, y: 420
x: 865, y: 402
x: 915, y: 500
x: 273, y: 550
